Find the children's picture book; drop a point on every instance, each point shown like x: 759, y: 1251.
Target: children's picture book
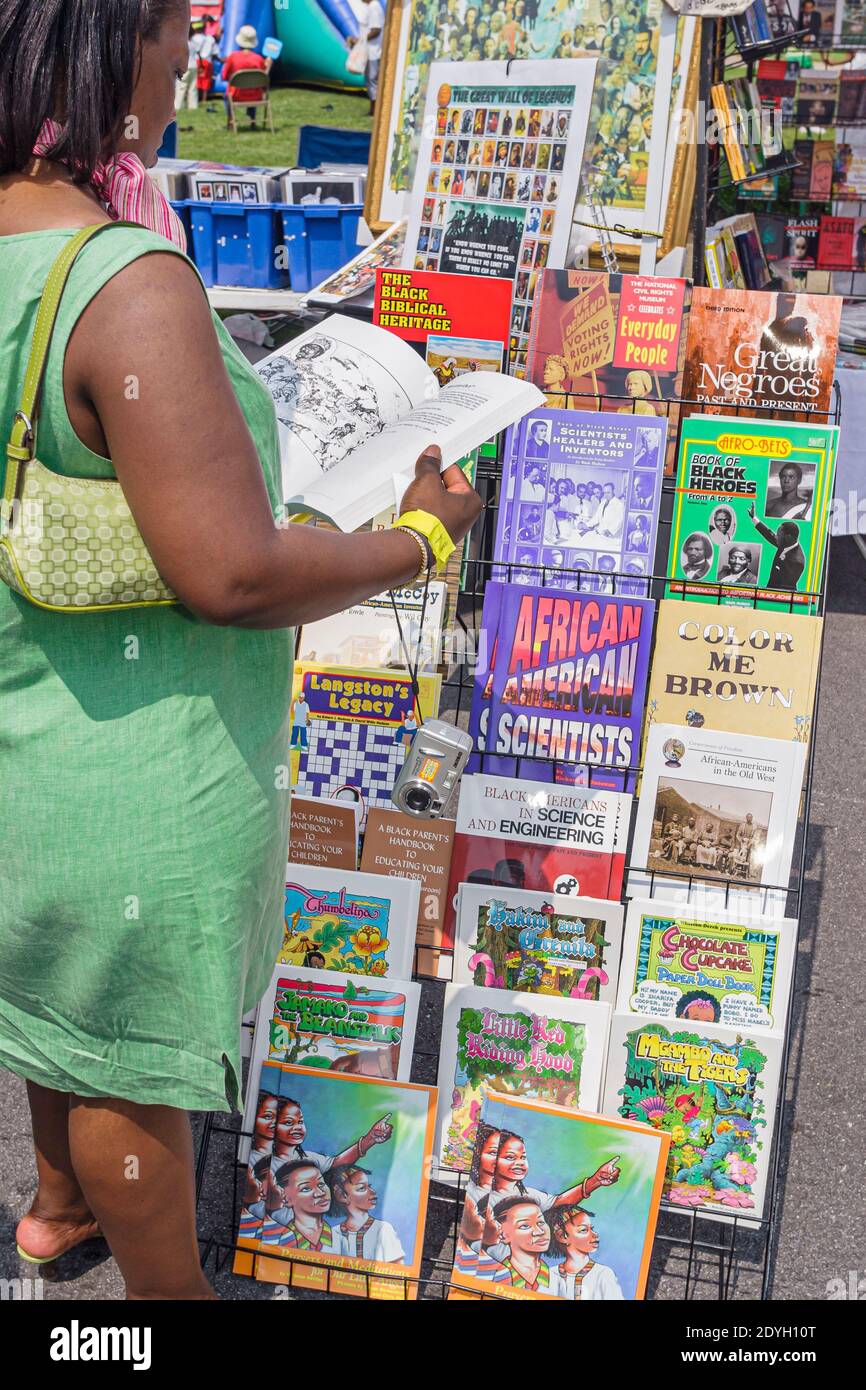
x: 713, y: 1091
x: 567, y: 685
x: 707, y: 968
x: 729, y: 803
x: 355, y: 408
x: 585, y: 1231
x: 750, y: 516
x: 412, y: 847
x: 345, y: 1198
x: 493, y: 196
x: 352, y: 729
x: 461, y: 321
x: 580, y: 498
x: 733, y: 671
x: 537, y: 943
x: 373, y: 634
x: 324, y: 832
x: 519, y: 1044
x: 361, y: 923
x: 336, y: 1022
x: 356, y: 280
x: 515, y: 833
x: 760, y: 350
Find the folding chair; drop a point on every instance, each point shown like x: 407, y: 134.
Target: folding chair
x: 250, y: 79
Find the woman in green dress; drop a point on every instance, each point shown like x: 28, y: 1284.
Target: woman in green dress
x: 143, y: 818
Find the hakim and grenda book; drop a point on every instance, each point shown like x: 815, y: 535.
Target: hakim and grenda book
x: 770, y: 352
x: 567, y: 686
x: 750, y: 511
x: 733, y: 670
x: 355, y: 409
x: 520, y: 834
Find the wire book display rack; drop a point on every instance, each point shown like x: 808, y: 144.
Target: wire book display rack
x: 695, y: 1255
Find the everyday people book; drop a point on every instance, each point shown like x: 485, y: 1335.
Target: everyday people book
x: 537, y: 943
x: 356, y: 407
x: 494, y: 1040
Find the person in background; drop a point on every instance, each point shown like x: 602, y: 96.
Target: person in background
x: 207, y: 53
x: 241, y: 59
x: 186, y: 88
x: 370, y: 33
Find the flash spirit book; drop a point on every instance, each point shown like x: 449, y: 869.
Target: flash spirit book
x: 335, y: 1022
x: 461, y: 321
x: 751, y: 510
x: 347, y: 1189
x: 361, y: 923
x: 537, y: 943
x: 373, y: 634
x: 729, y: 801
x: 356, y: 407
x: 753, y: 349
x: 497, y: 173
x: 733, y: 670
x: 352, y: 728
x: 713, y: 1091
x: 520, y: 834
x: 567, y: 685
x: 324, y: 832
x: 493, y: 1040
x: 581, y: 492
x: 707, y: 968
x: 412, y: 847
x: 578, y: 1224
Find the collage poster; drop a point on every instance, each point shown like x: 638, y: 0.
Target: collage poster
x: 497, y: 174
x: 624, y: 36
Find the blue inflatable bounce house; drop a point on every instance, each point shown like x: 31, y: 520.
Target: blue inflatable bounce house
x: 313, y: 33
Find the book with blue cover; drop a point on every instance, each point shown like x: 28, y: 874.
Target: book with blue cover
x: 580, y: 500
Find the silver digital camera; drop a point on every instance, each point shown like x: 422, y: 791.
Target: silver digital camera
x: 433, y: 765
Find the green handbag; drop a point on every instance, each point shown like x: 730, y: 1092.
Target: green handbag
x: 69, y: 545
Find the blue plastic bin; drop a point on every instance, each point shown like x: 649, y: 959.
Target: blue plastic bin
x: 181, y: 207
x: 319, y: 239
x: 233, y: 244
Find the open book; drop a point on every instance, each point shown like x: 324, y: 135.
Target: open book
x: 356, y: 406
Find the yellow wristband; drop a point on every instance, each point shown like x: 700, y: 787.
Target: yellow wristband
x: 430, y: 526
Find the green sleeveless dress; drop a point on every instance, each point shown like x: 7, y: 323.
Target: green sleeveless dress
x: 143, y: 809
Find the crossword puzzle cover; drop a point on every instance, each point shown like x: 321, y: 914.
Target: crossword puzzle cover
x: 352, y: 729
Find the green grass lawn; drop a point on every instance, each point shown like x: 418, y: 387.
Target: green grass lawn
x: 202, y: 134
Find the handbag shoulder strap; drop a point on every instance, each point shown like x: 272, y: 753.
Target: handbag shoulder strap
x: 21, y: 446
